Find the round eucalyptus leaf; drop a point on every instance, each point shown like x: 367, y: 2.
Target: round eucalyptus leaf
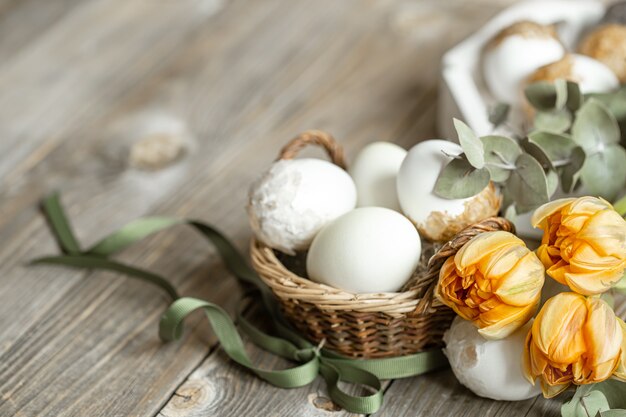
x: 557, y: 147
x: 500, y: 156
x: 595, y: 127
x: 459, y: 179
x: 499, y: 113
x: 604, y: 173
x: 556, y: 121
x: 510, y: 213
x: 536, y: 152
x: 528, y: 183
x: 616, y: 103
x: 569, y: 172
x: 560, y: 87
x: 574, y: 96
x: 552, y: 181
x: 471, y: 144
x: 541, y: 95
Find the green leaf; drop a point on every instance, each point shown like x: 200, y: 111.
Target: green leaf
x: 500, y: 156
x: 499, y: 113
x: 459, y: 179
x: 556, y: 121
x: 620, y: 206
x: 541, y: 95
x: 569, y: 172
x: 528, y: 184
x: 552, y: 180
x: 604, y: 173
x: 616, y: 103
x: 621, y: 285
x: 560, y: 86
x: 471, y: 144
x: 536, y: 152
x: 595, y: 127
x: 574, y: 96
x: 564, y: 154
x: 555, y: 146
x: 589, y: 400
x: 510, y: 213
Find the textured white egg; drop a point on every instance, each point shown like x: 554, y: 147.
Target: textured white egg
x: 514, y: 54
x: 489, y: 368
x: 374, y: 172
x: 294, y: 199
x: 438, y: 218
x: 368, y: 250
x: 591, y: 75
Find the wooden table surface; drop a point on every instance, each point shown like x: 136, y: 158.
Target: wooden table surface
x: 83, y: 82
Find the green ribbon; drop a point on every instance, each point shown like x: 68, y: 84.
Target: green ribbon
x: 312, y: 360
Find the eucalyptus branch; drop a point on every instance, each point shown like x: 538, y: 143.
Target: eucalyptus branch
x: 508, y: 167
x: 449, y: 155
x: 561, y: 163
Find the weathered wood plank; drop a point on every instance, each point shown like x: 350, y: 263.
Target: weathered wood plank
x: 412, y: 119
x: 440, y: 394
x: 106, y: 73
x: 219, y: 387
x: 32, y: 384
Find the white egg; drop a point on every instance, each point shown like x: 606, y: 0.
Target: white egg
x: 368, y: 250
x: 438, y: 218
x: 374, y: 172
x: 490, y: 368
x: 591, y: 75
x: 294, y: 199
x: 514, y: 54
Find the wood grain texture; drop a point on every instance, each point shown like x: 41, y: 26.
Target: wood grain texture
x: 82, y: 81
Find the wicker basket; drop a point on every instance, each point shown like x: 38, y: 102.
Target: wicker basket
x: 362, y: 325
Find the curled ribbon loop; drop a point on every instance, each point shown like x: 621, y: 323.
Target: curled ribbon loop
x: 312, y: 360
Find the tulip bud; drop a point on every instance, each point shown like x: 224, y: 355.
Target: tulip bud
x: 495, y: 281
x: 584, y: 243
x: 574, y: 340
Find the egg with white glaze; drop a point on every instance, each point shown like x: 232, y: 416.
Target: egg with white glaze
x: 591, y: 75
x: 374, y: 172
x: 290, y: 203
x: 438, y: 218
x: 514, y: 53
x: 489, y: 368
x: 368, y: 250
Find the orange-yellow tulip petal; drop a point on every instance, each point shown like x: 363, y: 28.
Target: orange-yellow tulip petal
x: 583, y: 244
x: 504, y: 320
x: 523, y: 283
x: 574, y: 340
x: 495, y: 281
x: 620, y: 372
x: 543, y: 212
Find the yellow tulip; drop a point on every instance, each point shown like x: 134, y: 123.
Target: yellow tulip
x: 495, y: 281
x: 584, y: 243
x: 574, y: 340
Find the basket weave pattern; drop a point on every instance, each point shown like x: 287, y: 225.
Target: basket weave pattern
x: 364, y: 325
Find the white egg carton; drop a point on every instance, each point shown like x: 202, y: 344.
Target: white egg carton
x: 463, y: 93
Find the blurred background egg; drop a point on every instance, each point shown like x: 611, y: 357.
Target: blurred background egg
x: 591, y: 75
x: 438, y: 218
x: 374, y: 172
x: 368, y: 250
x: 489, y: 368
x: 607, y: 44
x: 294, y: 199
x: 514, y: 53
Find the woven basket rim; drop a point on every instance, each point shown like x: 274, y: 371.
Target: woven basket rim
x: 286, y: 284
x: 416, y: 297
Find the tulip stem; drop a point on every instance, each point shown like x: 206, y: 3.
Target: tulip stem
x: 620, y: 206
